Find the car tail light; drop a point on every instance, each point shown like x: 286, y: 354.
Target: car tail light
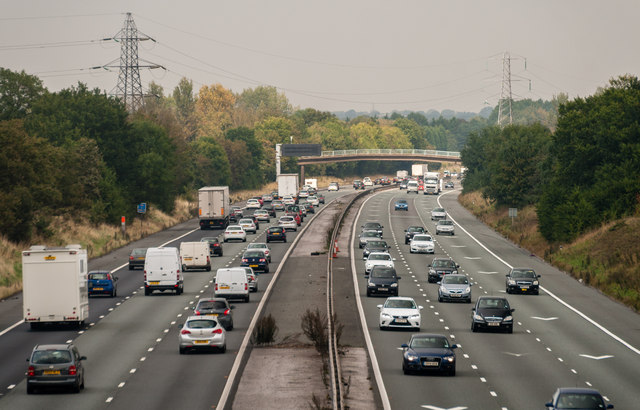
x: 31, y: 371
x: 246, y: 286
x: 217, y: 331
x: 216, y: 245
x: 227, y: 311
x: 245, y: 260
x: 130, y: 258
x: 197, y: 312
x: 185, y: 332
x: 262, y: 260
x: 108, y: 276
x: 145, y: 275
x: 72, y: 370
x: 216, y: 289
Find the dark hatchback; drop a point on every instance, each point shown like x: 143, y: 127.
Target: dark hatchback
x: 310, y: 208
x: 375, y: 226
x: 215, y: 247
x: 270, y: 210
x: 410, y: 231
x: 276, y: 233
x: 577, y: 398
x: 383, y: 280
x: 440, y: 267
x: 137, y: 258
x: 522, y: 280
x: 429, y: 353
x: 56, y: 365
x: 492, y: 312
x: 256, y: 260
x: 374, y: 246
x: 320, y: 198
x: 102, y: 282
x: 218, y: 308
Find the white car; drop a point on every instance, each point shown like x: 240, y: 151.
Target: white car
x: 400, y: 312
x: 333, y: 187
x: 248, y: 225
x: 288, y: 223
x: 438, y: 213
x: 367, y: 181
x: 235, y: 232
x: 262, y: 215
x: 445, y: 226
x: 253, y: 204
x: 288, y: 200
x: 303, y: 193
x: 313, y: 200
x: 261, y: 246
x: 378, y: 258
x: 422, y: 243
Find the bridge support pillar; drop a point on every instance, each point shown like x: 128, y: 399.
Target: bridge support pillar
x: 301, y: 175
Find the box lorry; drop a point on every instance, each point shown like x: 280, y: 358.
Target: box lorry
x: 418, y: 170
x: 214, y: 207
x: 287, y: 185
x: 54, y: 285
x: 432, y: 185
x: 312, y: 182
x: 402, y: 174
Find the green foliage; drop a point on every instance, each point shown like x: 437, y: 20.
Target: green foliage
x: 18, y: 91
x: 212, y: 165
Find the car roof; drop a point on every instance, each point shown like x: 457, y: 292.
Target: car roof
x: 59, y: 346
x: 380, y: 253
x: 400, y: 298
x: 98, y: 271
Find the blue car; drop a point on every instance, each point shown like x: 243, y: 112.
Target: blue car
x: 102, y: 282
x: 402, y: 205
x: 255, y: 259
x: 429, y: 353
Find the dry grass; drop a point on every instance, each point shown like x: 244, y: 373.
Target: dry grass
x: 605, y: 258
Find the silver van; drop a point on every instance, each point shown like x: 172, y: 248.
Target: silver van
x: 232, y: 283
x: 162, y: 271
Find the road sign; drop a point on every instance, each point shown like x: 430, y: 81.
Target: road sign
x: 513, y: 212
x: 142, y: 207
x: 301, y: 150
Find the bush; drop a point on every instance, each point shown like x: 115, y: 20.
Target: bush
x: 265, y: 331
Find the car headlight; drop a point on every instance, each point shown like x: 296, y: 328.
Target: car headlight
x: 467, y: 290
x: 385, y: 315
x: 508, y: 319
x: 432, y: 272
x: 415, y: 316
x: 449, y: 359
x: 412, y: 357
x: 443, y: 289
x: 372, y: 285
x: 512, y: 282
x: 478, y: 318
x: 535, y: 282
x: 394, y: 285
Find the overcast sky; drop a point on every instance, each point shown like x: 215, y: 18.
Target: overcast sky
x: 336, y: 55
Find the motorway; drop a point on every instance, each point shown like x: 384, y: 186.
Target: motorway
x: 556, y: 340
x: 569, y: 335
x: 131, y: 340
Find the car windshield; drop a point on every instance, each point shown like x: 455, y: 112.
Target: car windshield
x: 201, y: 324
x: 140, y: 251
x: 99, y: 276
x: 51, y: 357
x: 257, y: 246
x: 246, y: 221
x: 209, y: 240
x: 376, y: 244
x: 419, y: 238
x: 442, y: 264
x: 370, y: 234
x: 254, y: 254
x: 415, y: 229
x: 372, y: 225
x: 400, y: 304
x: 523, y: 274
x: 438, y: 210
x: 212, y: 304
x: 383, y: 273
x: 579, y: 401
x: 402, y: 201
x: 429, y: 342
x: 455, y: 280
x: 234, y: 228
x: 272, y: 230
x: 445, y: 223
x: 379, y: 257
x: 494, y: 303
x: 287, y: 219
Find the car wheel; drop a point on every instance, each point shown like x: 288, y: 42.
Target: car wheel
x: 405, y: 370
x: 130, y: 267
x: 76, y: 388
x: 360, y: 246
x: 244, y: 239
x: 114, y: 293
x: 223, y: 349
x: 439, y: 299
x: 537, y: 292
x: 220, y: 254
x: 246, y: 299
x: 284, y: 241
x: 437, y: 233
x: 452, y: 372
x: 182, y: 350
x: 474, y: 327
x: 510, y: 329
x: 146, y: 292
x: 225, y: 239
x: 368, y: 293
x: 30, y: 389
x: 266, y: 270
x: 508, y: 290
x: 268, y: 240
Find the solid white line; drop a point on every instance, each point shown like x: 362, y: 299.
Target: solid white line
x: 579, y: 313
x: 13, y: 326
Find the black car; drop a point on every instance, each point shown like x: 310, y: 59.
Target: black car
x: 357, y: 184
x: 374, y: 246
x: 137, y: 258
x: 255, y: 259
x: 218, y: 308
x: 55, y: 365
x: 492, y: 312
x: 320, y: 198
x: 270, y: 209
x: 440, y: 267
x: 236, y: 214
x: 410, y: 231
x: 373, y: 226
x: 429, y: 353
x: 522, y: 280
x: 383, y: 280
x: 215, y: 247
x: 310, y: 208
x: 577, y: 398
x: 276, y: 233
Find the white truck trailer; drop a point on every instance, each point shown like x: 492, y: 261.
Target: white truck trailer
x: 213, y: 207
x: 54, y: 285
x: 312, y: 182
x: 418, y: 170
x: 432, y: 183
x: 287, y: 185
x: 402, y: 174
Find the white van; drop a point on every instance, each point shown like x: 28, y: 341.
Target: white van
x: 412, y: 186
x: 162, y: 271
x: 195, y: 255
x: 232, y: 283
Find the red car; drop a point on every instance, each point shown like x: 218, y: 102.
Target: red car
x: 259, y: 198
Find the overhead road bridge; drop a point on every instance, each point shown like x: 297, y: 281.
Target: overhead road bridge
x: 350, y: 155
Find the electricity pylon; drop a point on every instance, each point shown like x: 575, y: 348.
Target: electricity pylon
x: 504, y: 106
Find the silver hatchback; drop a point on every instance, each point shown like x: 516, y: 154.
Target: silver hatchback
x: 202, y: 333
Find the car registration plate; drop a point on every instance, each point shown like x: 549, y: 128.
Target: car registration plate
x: 383, y: 289
x: 430, y: 364
x: 188, y: 258
x: 201, y: 342
x: 493, y: 324
x: 212, y: 314
x: 524, y: 289
x: 253, y: 266
x: 224, y: 287
x: 455, y: 295
x: 98, y: 288
x: 154, y: 283
x: 51, y: 372
x: 401, y: 320
x: 276, y: 233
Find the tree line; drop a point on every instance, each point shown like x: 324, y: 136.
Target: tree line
x: 580, y: 175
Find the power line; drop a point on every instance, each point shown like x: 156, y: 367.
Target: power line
x: 57, y: 17
x: 54, y: 44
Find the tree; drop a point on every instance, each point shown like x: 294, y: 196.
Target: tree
x: 185, y: 107
x: 213, y: 110
x: 413, y: 131
x: 18, y: 91
x: 260, y: 103
x: 211, y: 163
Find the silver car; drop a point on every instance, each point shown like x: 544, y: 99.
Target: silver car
x: 422, y: 243
x: 367, y: 236
x: 438, y: 213
x: 262, y: 215
x: 288, y: 222
x: 445, y: 226
x: 455, y: 287
x: 252, y: 279
x: 248, y: 225
x: 202, y: 332
x: 313, y: 200
x: 235, y: 232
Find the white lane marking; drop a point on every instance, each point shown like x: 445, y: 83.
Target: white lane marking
x: 458, y: 246
x: 544, y: 318
x: 568, y: 306
x: 473, y: 258
x: 121, y: 385
x: 142, y: 359
x: 11, y: 386
x: 516, y: 354
x: 428, y: 406
x: 109, y: 399
x: 494, y: 394
x: 69, y: 341
x: 13, y: 326
x: 606, y: 356
x: 483, y: 380
x: 132, y: 371
x: 487, y: 273
x: 574, y: 371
